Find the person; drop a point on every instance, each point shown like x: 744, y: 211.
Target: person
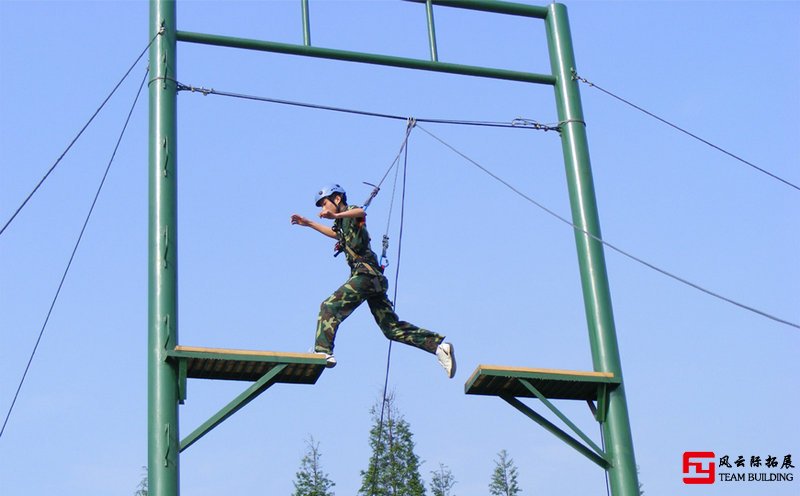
x: 366, y: 283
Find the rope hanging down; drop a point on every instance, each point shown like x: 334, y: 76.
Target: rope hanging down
x: 403, y: 151
x: 75, y: 139
x: 575, y: 76
x: 74, y: 250
x: 606, y: 243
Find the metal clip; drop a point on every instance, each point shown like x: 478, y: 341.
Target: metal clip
x: 372, y: 195
x: 384, y: 262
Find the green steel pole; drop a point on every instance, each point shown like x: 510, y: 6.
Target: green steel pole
x: 594, y: 278
x: 306, y: 23
x: 162, y: 382
x: 431, y: 31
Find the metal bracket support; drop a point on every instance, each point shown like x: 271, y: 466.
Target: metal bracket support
x: 600, y: 411
x: 599, y: 459
x: 183, y: 371
x: 602, y: 403
x: 530, y: 387
x: 240, y: 401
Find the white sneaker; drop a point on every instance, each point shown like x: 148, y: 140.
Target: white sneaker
x: 447, y: 358
x: 330, y: 360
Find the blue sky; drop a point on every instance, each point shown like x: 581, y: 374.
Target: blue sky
x: 495, y: 274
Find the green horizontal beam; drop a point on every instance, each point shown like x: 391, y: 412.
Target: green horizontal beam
x: 234, y: 406
x: 367, y: 58
x: 494, y: 6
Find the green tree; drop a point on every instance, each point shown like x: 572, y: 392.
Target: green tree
x: 442, y: 481
x: 310, y: 480
x: 504, y: 477
x: 641, y: 486
x: 142, y: 488
x: 393, y: 467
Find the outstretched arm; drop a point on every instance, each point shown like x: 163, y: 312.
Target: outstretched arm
x: 347, y: 214
x: 302, y: 221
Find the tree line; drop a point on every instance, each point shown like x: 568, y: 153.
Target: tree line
x: 394, y: 467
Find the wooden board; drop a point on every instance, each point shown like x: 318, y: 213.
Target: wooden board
x: 494, y: 380
x: 249, y: 365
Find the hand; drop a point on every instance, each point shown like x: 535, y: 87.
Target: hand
x: 300, y: 220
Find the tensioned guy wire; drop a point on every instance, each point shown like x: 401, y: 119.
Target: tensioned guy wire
x: 72, y: 256
x: 606, y: 243
x: 516, y: 123
x: 674, y: 126
x: 74, y: 140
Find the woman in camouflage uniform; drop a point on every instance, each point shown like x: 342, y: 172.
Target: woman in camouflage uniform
x: 366, y: 283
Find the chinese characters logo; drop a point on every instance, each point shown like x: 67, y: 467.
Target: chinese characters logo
x: 699, y: 467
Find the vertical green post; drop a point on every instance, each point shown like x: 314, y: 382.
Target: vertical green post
x: 594, y: 279
x: 162, y: 382
x: 306, y: 23
x: 431, y: 31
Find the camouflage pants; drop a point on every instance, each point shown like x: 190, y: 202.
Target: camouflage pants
x: 356, y: 290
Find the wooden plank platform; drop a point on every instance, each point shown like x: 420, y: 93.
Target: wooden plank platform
x: 492, y: 380
x: 247, y: 365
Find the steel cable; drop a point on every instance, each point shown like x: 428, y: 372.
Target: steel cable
x: 75, y: 139
x: 609, y: 245
x: 698, y: 138
x: 518, y: 123
x: 72, y: 256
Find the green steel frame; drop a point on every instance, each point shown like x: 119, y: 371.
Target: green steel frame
x: 162, y: 386
x: 164, y: 392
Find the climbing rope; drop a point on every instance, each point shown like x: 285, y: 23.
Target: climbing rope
x: 404, y: 151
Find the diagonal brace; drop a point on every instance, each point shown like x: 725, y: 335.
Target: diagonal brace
x: 234, y: 406
x: 591, y: 455
x: 530, y: 387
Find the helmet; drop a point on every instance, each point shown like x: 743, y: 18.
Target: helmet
x: 327, y: 191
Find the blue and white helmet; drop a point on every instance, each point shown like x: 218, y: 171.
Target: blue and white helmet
x: 327, y: 191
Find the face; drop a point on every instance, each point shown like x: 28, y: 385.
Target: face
x: 328, y: 205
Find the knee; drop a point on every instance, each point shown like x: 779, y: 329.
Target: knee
x: 326, y: 307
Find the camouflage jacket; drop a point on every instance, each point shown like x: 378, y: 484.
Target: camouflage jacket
x: 354, y: 242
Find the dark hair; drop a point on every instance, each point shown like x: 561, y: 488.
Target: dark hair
x: 343, y: 195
